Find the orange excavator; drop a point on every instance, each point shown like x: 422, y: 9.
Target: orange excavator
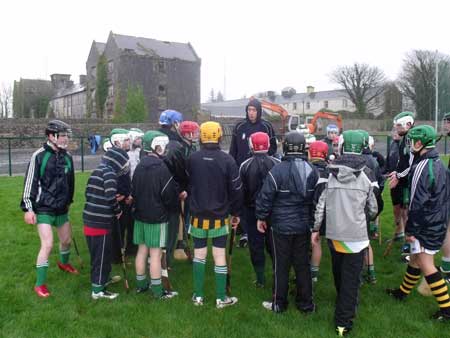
x: 312, y: 126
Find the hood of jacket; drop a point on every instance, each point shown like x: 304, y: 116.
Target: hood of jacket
x: 347, y: 167
x: 254, y: 103
x: 118, y: 160
x: 151, y: 161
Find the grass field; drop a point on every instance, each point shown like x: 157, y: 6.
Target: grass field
x: 70, y: 312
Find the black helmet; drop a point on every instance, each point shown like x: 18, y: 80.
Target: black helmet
x: 294, y: 143
x: 57, y: 126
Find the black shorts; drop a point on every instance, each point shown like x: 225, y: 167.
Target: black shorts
x: 218, y: 242
x: 397, y: 195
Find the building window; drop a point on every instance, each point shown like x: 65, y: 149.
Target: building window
x: 344, y: 103
x: 110, y: 66
x: 111, y: 91
x: 294, y: 105
x: 162, y: 66
x: 325, y: 104
x: 308, y: 105
x: 162, y: 90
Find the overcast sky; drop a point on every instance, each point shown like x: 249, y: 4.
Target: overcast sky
x: 256, y: 45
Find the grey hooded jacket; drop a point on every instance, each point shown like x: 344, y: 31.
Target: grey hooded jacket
x: 346, y: 200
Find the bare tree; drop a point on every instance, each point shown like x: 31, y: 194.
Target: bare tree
x: 417, y: 81
x: 363, y: 84
x: 5, y: 100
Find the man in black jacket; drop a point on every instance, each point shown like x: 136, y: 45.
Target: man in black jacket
x: 426, y: 226
x: 287, y: 199
x: 154, y: 193
x: 170, y: 121
x: 215, y: 191
x: 48, y: 192
x: 100, y: 216
x: 445, y: 262
x: 239, y: 148
x: 253, y: 171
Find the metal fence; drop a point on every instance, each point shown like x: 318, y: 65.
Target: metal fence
x: 15, y: 152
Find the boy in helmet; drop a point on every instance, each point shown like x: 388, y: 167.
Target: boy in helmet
x: 47, y: 195
x: 176, y: 160
x: 286, y: 198
x: 120, y: 139
x: 127, y: 221
x: 100, y: 215
x: 332, y: 132
x: 374, y: 173
x: 253, y: 171
x: 318, y: 153
x: 134, y: 153
x: 154, y: 193
x: 349, y: 193
x: 398, y: 179
x: 215, y: 191
x: 426, y: 226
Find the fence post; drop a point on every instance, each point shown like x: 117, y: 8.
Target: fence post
x: 388, y: 145
x: 445, y: 145
x: 9, y: 157
x: 82, y: 155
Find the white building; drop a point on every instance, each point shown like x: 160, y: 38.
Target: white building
x: 69, y: 101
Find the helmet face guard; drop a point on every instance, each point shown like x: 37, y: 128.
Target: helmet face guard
x: 159, y: 145
x: 189, y: 131
x: 58, y: 133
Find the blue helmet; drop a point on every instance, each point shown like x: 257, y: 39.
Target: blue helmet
x: 332, y: 128
x: 169, y: 117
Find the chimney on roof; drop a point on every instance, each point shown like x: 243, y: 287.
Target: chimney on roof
x: 309, y: 89
x: 60, y: 81
x: 82, y: 80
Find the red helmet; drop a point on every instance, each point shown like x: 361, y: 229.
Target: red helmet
x: 318, y: 149
x: 259, y: 142
x: 189, y: 130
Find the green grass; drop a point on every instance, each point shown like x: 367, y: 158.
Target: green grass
x: 70, y: 312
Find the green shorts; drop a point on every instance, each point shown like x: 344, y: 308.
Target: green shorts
x: 209, y: 233
x: 53, y: 220
x: 152, y: 235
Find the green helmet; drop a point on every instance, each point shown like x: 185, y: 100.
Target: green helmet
x: 153, y: 139
x: 404, y: 118
x: 365, y: 136
x: 118, y: 135
x: 425, y: 134
x: 135, y: 133
x: 353, y: 142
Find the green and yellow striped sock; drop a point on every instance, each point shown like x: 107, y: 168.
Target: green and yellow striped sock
x: 410, y: 279
x: 41, y: 273
x: 439, y: 290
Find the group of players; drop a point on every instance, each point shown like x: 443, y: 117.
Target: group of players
x: 147, y: 182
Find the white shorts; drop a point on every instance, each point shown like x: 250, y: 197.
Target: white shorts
x: 416, y: 248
